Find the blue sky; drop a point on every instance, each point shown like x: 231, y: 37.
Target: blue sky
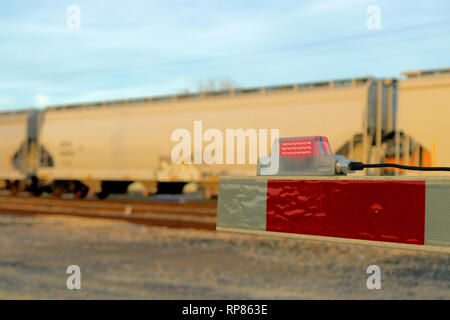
x: 127, y: 49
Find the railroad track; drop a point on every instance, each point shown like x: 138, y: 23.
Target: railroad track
x: 196, y: 215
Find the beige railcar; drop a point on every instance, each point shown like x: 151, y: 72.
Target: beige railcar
x: 131, y: 140
x: 13, y: 136
x: 424, y: 113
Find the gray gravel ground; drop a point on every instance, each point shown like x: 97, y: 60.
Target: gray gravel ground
x: 119, y: 260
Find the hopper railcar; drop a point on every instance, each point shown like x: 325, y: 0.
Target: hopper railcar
x: 115, y: 146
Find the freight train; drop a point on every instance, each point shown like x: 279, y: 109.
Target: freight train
x: 118, y: 146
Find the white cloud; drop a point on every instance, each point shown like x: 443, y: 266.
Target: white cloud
x: 5, y: 102
x: 41, y: 100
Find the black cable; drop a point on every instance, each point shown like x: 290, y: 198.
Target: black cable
x: 355, y: 166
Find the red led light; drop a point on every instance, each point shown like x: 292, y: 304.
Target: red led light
x: 326, y: 146
x: 296, y: 148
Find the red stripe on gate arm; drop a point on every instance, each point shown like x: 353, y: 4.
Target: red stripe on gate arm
x: 392, y: 211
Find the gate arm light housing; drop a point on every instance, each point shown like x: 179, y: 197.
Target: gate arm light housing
x: 303, y: 156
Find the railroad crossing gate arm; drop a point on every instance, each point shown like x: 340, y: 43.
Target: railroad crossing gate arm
x: 412, y: 213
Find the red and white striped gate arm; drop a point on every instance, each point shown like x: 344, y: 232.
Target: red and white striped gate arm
x: 408, y: 212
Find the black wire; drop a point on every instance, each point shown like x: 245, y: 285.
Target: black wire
x: 361, y: 166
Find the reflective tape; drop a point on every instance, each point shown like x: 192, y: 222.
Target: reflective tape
x: 377, y: 209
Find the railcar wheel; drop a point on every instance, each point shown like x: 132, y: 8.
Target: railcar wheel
x: 36, y: 192
x: 34, y: 188
x: 13, y: 187
x: 102, y: 195
x: 81, y: 193
x: 170, y: 187
x: 57, y: 191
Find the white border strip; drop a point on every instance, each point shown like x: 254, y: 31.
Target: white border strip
x: 369, y: 243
